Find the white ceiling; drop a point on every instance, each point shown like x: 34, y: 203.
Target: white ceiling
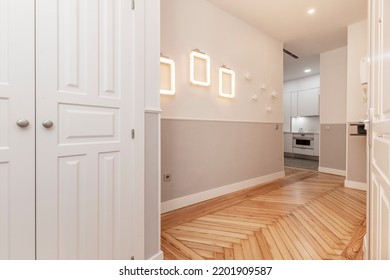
x: 304, y: 35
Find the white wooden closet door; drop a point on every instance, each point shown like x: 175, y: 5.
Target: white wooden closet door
x: 85, y: 86
x: 17, y: 144
x: 380, y: 150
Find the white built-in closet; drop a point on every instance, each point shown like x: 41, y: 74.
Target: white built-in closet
x: 68, y: 77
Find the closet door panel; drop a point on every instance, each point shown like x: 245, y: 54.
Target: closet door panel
x: 17, y: 142
x: 85, y: 93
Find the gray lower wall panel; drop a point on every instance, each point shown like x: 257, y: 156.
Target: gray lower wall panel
x: 357, y: 157
x: 152, y: 185
x: 204, y: 155
x: 333, y: 146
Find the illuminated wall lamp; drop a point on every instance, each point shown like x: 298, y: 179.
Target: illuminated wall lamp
x: 197, y: 54
x: 171, y: 65
x: 227, y: 73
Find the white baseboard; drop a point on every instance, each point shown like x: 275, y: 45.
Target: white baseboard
x: 206, y: 195
x: 356, y: 185
x: 332, y: 171
x: 157, y: 257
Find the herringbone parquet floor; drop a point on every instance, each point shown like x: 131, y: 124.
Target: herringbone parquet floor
x: 308, y: 215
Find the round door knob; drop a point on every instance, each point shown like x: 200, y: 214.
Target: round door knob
x: 23, y: 123
x: 47, y: 124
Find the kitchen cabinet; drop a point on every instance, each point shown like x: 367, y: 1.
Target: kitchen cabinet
x: 288, y: 143
x: 302, y: 103
x: 300, y: 151
x: 294, y: 104
x: 308, y: 103
x: 287, y: 112
x: 290, y: 104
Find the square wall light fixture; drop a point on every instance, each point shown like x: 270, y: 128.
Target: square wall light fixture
x: 167, y: 76
x: 199, y: 68
x: 227, y: 82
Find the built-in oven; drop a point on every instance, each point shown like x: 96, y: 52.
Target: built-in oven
x: 303, y: 141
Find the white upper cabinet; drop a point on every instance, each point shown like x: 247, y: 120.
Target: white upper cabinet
x: 287, y: 112
x: 301, y: 99
x: 303, y: 103
x: 294, y: 104
x: 308, y: 102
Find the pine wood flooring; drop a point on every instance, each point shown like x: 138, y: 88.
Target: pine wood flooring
x: 305, y: 216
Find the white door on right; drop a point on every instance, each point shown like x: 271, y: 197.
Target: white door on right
x: 379, y: 196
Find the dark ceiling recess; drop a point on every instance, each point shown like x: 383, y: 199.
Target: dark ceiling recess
x: 290, y: 54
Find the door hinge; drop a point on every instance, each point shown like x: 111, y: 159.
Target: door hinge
x: 133, y: 4
x: 133, y: 134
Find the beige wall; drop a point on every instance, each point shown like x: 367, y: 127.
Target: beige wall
x: 357, y: 49
x: 334, y: 87
x: 357, y: 157
x: 209, y: 142
x: 189, y: 24
x: 333, y: 107
x: 203, y: 155
x: 333, y: 147
x: 356, y: 109
x: 341, y: 103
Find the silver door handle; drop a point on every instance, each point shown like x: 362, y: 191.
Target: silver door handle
x: 47, y: 124
x: 23, y: 123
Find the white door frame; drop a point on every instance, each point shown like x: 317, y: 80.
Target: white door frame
x: 379, y: 141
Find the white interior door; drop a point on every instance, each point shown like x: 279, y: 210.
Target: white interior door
x: 379, y: 203
x: 17, y: 143
x: 85, y: 95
